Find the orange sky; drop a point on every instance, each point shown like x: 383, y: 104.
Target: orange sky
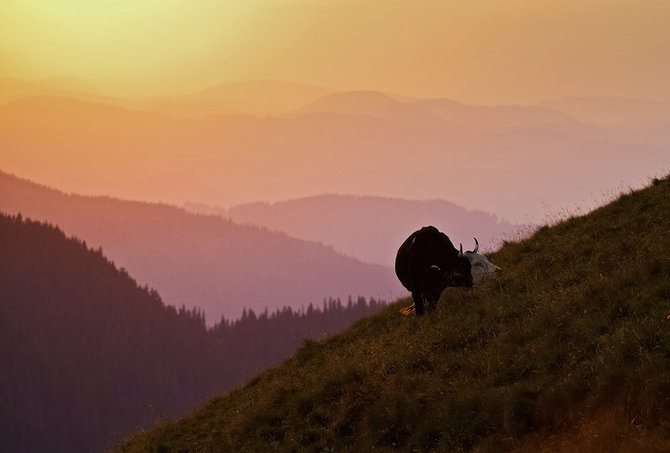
x: 486, y: 51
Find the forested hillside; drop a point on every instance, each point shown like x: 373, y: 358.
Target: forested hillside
x: 202, y: 261
x: 569, y: 350
x: 88, y: 355
x: 86, y: 352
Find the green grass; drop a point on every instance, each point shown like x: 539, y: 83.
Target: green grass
x: 569, y: 350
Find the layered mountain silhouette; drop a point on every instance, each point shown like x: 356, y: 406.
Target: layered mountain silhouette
x: 441, y: 113
x: 202, y: 261
x: 258, y: 97
x: 12, y: 89
x: 368, y: 228
x: 358, y: 142
x: 353, y: 102
x: 622, y: 112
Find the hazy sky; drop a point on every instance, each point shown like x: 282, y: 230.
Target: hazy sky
x: 486, y: 51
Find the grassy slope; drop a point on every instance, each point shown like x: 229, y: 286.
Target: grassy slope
x: 569, y: 350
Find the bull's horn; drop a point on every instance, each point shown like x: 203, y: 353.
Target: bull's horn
x: 476, y: 246
x: 460, y: 253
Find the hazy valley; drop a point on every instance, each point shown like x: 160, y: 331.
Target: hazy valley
x: 368, y: 228
x: 368, y: 143
x: 202, y: 261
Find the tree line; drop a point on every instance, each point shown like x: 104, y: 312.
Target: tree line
x: 89, y: 355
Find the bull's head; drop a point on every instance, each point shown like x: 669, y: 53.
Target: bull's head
x: 481, y: 269
x: 459, y: 274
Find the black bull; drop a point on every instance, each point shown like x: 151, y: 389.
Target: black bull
x: 427, y: 263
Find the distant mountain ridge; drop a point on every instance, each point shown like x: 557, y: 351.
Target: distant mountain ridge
x: 202, y: 261
x: 356, y: 102
x: 620, y: 112
x: 441, y: 112
x: 255, y: 98
x: 379, y: 144
x: 365, y: 227
x: 17, y: 88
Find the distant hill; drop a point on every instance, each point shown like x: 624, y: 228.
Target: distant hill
x: 88, y: 355
x: 352, y: 102
x: 371, y: 228
x: 12, y: 89
x: 491, y: 119
x: 621, y: 112
x: 260, y: 97
x: 405, y: 150
x: 634, y: 121
x: 442, y: 113
x: 568, y: 350
x: 202, y: 261
x: 256, y: 98
x: 17, y: 89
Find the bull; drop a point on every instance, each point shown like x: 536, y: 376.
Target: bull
x: 427, y: 263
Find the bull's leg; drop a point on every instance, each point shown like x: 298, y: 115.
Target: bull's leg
x: 432, y: 301
x: 418, y: 302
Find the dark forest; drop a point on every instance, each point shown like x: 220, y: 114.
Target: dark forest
x: 88, y: 355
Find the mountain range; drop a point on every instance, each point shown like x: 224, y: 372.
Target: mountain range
x: 198, y: 260
x: 368, y: 228
x: 361, y: 142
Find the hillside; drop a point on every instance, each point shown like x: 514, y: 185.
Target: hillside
x: 569, y: 350
x: 370, y: 228
x: 202, y: 261
x: 87, y: 354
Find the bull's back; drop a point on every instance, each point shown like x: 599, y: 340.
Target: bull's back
x: 421, y: 250
x: 402, y: 261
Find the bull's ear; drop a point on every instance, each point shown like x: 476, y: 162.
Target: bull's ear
x: 460, y: 253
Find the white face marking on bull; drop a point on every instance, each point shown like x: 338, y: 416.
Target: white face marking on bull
x: 482, y: 269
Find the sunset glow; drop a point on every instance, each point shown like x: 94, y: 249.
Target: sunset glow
x: 142, y: 99
x: 486, y: 52
x: 190, y: 190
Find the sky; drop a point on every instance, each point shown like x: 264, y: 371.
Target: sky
x: 480, y: 51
